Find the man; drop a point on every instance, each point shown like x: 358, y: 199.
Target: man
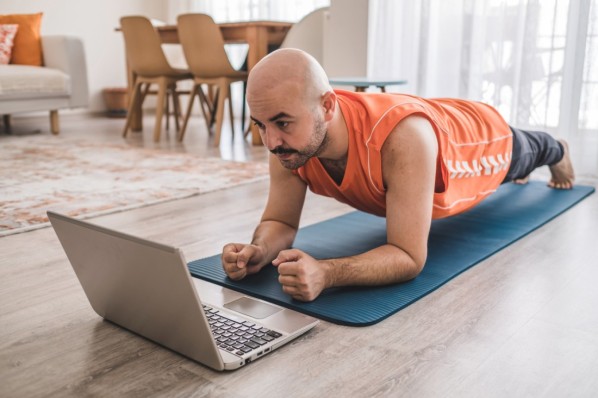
x: 403, y: 157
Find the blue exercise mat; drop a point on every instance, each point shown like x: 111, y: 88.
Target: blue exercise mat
x: 455, y: 244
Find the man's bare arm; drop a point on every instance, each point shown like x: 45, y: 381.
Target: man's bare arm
x: 277, y: 228
x: 280, y: 220
x: 409, y: 169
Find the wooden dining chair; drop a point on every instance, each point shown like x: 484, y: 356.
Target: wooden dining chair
x: 308, y: 34
x: 146, y: 59
x: 203, y: 46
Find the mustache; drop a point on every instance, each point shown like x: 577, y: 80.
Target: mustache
x: 281, y: 150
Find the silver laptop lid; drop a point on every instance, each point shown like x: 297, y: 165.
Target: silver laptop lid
x: 140, y: 285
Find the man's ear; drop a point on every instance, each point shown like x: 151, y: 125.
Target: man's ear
x: 328, y: 104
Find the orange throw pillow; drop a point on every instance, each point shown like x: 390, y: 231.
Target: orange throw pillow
x: 27, y: 49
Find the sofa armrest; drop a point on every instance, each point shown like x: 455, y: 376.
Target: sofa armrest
x: 66, y: 53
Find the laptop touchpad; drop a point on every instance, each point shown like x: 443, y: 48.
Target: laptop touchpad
x: 253, y: 308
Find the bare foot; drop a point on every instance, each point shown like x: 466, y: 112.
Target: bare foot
x: 521, y: 181
x: 562, y: 172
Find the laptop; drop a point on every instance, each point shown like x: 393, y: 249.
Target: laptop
x: 146, y: 287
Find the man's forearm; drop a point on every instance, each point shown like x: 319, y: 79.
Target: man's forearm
x: 273, y: 236
x: 383, y: 265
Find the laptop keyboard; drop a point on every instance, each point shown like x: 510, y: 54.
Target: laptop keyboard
x: 238, y: 335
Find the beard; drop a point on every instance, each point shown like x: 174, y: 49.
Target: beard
x: 317, y: 143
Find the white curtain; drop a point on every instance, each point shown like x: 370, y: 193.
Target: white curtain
x: 536, y: 61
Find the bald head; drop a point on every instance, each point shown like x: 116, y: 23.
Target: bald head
x: 295, y: 109
x: 288, y: 71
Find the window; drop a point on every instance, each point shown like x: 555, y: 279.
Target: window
x: 536, y: 61
x: 588, y: 112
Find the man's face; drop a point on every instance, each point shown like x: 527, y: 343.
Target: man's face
x: 290, y: 129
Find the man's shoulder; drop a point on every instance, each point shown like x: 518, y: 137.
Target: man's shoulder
x: 409, y: 130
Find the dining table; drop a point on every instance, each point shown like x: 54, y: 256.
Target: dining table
x: 258, y: 35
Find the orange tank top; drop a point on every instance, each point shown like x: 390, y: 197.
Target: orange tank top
x: 474, y: 151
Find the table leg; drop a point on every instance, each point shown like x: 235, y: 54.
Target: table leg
x: 257, y: 39
x: 136, y: 122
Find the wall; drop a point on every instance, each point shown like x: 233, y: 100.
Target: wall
x: 93, y: 21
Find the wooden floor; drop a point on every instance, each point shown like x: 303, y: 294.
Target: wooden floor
x: 523, y: 323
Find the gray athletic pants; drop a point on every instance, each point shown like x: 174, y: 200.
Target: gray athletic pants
x: 532, y: 149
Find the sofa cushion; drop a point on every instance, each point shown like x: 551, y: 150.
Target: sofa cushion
x: 27, y: 48
x: 24, y: 81
x: 7, y: 36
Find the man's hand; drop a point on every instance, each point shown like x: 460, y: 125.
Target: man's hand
x: 240, y: 260
x: 301, y: 276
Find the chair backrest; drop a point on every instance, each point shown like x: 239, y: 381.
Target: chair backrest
x: 143, y: 47
x: 203, y: 46
x: 308, y: 34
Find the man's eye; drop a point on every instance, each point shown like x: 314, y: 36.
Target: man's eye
x: 282, y: 124
x: 258, y: 124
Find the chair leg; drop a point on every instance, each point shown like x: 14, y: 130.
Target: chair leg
x: 244, y: 130
x: 144, y: 92
x: 206, y: 108
x: 222, y: 95
x: 230, y: 112
x: 206, y: 104
x: 247, y: 130
x: 7, y: 125
x: 213, y: 97
x: 188, y: 114
x: 243, y: 104
x: 137, y: 96
x: 160, y: 109
x: 54, y: 122
x: 176, y: 104
x: 167, y: 110
x: 215, y: 105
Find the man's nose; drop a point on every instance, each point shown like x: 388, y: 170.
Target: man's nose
x: 271, y: 139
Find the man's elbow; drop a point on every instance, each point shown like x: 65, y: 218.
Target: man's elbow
x: 413, y: 267
x: 407, y: 265
x: 413, y: 271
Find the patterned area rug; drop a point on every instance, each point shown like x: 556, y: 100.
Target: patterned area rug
x: 85, y: 179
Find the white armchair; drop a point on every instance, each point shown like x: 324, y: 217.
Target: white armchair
x: 60, y: 84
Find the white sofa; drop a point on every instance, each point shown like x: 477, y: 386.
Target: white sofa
x: 60, y: 84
